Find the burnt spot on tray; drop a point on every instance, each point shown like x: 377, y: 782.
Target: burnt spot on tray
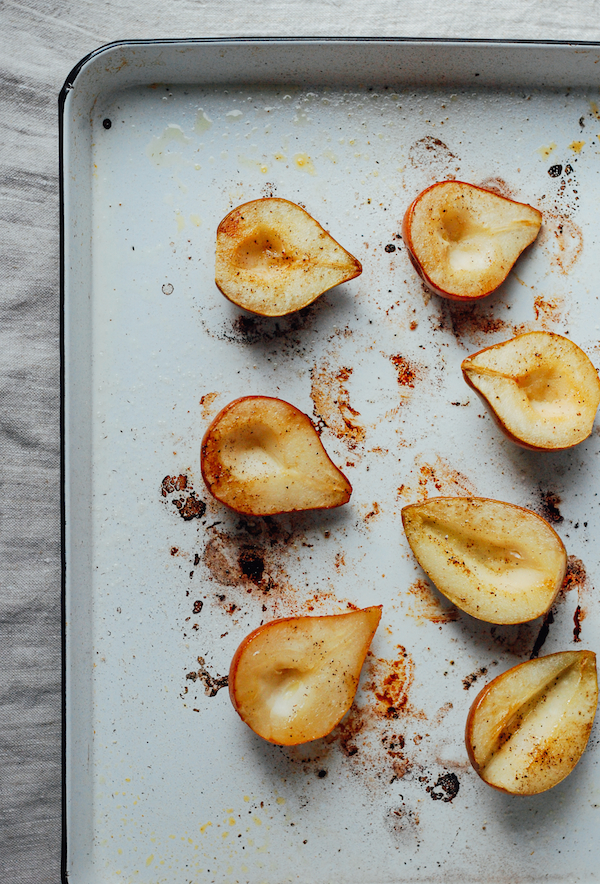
x: 252, y: 564
x: 445, y: 788
x: 173, y: 483
x: 542, y: 634
x: 408, y: 372
x: 578, y: 616
x: 547, y: 506
x: 470, y: 680
x: 390, y: 247
x: 190, y: 507
x: 233, y: 561
x: 212, y: 683
x: 187, y: 504
x: 198, y: 605
x: 561, y: 197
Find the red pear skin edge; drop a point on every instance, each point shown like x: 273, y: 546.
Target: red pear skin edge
x: 216, y: 420
x: 409, y: 245
x: 496, y: 418
x: 229, y: 221
x: 492, y: 500
x: 253, y: 635
x: 475, y: 705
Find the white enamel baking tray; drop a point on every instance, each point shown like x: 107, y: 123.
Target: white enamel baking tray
x: 164, y: 783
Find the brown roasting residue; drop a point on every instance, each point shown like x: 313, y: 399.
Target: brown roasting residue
x: 369, y: 733
x: 434, y: 156
x: 442, y: 713
x: 497, y: 185
x: 408, y: 372
x: 472, y: 321
x: 374, y: 511
x: 563, y: 239
x: 576, y: 578
x: 247, y: 570
x: 389, y: 683
x: 393, y: 744
x: 331, y: 401
x: 548, y: 312
x: 252, y: 564
x: 425, y: 604
x: 206, y: 402
x: 444, y: 478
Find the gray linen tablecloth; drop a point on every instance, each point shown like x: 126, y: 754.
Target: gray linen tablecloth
x: 39, y: 44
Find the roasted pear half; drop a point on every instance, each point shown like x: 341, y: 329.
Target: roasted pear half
x: 263, y: 456
x: 496, y: 561
x: 541, y: 388
x: 273, y: 258
x: 463, y: 240
x: 293, y: 680
x: 529, y: 727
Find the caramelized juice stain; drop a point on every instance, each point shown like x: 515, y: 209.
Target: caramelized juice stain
x: 331, y: 401
x: 425, y: 605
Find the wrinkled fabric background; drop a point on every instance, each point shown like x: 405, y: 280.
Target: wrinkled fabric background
x: 39, y: 44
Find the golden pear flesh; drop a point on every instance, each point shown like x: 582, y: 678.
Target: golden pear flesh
x: 463, y: 240
x: 495, y: 561
x: 293, y: 680
x: 273, y: 258
x: 541, y: 389
x: 263, y: 456
x: 529, y: 727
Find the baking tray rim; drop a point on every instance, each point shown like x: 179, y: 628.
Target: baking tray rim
x: 68, y: 86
